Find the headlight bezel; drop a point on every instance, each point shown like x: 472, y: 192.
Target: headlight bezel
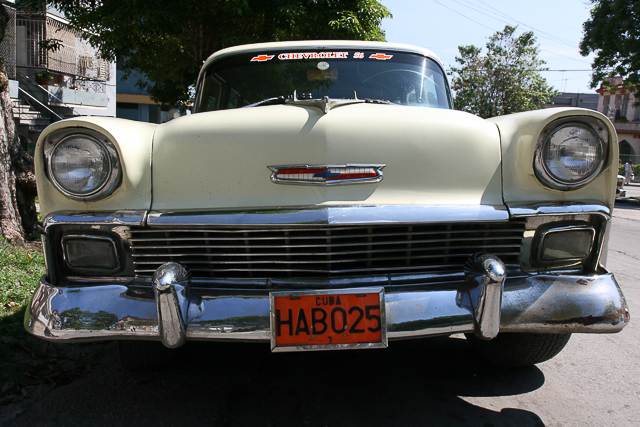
x: 113, y: 179
x: 593, y: 125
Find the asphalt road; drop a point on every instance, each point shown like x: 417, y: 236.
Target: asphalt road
x: 595, y: 381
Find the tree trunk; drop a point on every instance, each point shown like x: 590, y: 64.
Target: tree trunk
x: 17, y: 178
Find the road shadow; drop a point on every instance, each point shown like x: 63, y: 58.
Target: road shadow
x: 412, y: 383
x: 627, y: 203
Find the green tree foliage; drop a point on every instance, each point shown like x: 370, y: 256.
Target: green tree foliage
x: 505, y: 80
x: 613, y: 33
x: 167, y: 40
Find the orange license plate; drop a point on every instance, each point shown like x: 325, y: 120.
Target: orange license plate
x: 328, y: 320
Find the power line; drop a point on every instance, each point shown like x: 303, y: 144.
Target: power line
x: 479, y: 23
x: 565, y: 56
x: 589, y: 70
x: 455, y: 11
x: 548, y: 35
x: 478, y: 9
x: 539, y: 71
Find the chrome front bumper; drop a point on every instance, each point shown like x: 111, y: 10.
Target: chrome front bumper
x: 174, y: 312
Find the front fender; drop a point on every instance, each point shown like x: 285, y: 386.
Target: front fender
x: 133, y: 142
x: 519, y: 135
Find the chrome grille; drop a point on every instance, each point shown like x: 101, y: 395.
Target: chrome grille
x: 324, y: 251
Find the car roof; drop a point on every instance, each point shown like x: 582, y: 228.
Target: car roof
x: 321, y: 44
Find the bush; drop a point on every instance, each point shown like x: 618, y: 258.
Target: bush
x: 20, y: 272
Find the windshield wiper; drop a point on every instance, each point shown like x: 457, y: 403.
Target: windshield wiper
x: 376, y: 101
x: 282, y: 99
x: 269, y: 101
x: 323, y: 104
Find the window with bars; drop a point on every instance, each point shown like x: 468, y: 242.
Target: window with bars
x: 73, y: 55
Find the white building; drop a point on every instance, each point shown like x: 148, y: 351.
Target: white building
x: 617, y: 102
x: 81, y: 84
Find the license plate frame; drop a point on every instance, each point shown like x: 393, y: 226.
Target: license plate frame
x: 373, y: 296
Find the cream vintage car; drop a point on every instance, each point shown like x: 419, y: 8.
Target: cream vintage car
x: 326, y: 195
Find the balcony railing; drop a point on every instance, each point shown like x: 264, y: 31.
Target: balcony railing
x: 73, y: 57
x: 30, y: 33
x: 627, y: 127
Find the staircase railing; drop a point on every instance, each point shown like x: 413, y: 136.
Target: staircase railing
x: 26, y: 79
x: 40, y: 103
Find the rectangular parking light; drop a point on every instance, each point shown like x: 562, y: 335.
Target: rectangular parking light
x: 566, y: 243
x: 90, y: 252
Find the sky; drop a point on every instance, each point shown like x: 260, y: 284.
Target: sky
x: 443, y: 25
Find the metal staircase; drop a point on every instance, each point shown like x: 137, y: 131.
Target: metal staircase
x: 29, y: 121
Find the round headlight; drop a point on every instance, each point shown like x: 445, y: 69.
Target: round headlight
x: 570, y: 157
x: 82, y: 166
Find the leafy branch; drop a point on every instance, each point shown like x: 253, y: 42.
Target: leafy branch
x: 505, y: 80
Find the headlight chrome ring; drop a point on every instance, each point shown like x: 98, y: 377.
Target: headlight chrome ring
x: 569, y: 156
x: 82, y: 164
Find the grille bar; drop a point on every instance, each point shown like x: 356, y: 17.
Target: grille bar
x: 328, y: 245
x: 303, y: 236
x: 341, y: 271
x: 344, y: 272
x: 324, y: 252
x: 140, y: 259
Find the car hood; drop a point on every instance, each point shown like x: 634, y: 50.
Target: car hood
x: 220, y: 159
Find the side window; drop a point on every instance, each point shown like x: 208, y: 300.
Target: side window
x: 213, y: 89
x: 424, y: 94
x: 218, y: 95
x: 235, y: 99
x: 430, y: 93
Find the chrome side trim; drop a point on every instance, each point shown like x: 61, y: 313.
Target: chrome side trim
x: 602, y: 244
x: 333, y: 215
x: 383, y: 214
x: 124, y: 217
x: 558, y: 208
x: 396, y: 281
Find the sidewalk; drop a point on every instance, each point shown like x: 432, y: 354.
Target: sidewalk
x: 633, y: 189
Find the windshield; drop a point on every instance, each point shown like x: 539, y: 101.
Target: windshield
x: 400, y: 78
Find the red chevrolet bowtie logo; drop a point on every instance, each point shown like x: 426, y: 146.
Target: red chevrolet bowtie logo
x: 326, y: 174
x: 382, y: 56
x: 262, y: 58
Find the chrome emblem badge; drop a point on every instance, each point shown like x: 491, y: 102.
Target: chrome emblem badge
x: 326, y: 174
